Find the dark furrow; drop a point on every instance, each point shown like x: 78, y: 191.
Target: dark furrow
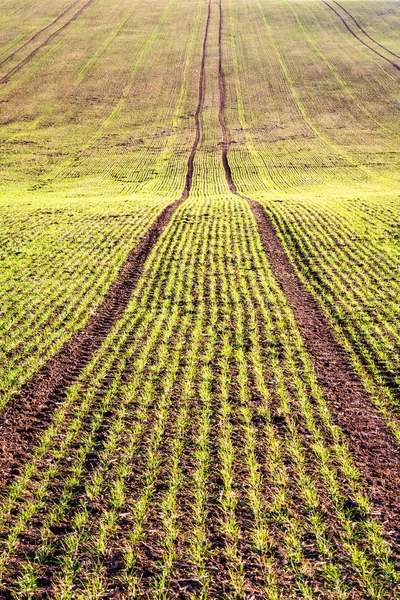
x: 31, y: 39
x: 30, y: 411
x: 391, y: 62
x: 370, y: 441
x: 27, y: 58
x: 27, y: 414
x: 364, y: 31
x: 225, y: 142
x: 189, y: 173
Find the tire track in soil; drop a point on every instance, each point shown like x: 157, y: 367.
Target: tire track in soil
x: 31, y: 39
x: 391, y: 62
x: 189, y: 172
x: 26, y: 415
x: 370, y: 441
x: 27, y: 58
x: 364, y: 31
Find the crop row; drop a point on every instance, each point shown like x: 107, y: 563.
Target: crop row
x: 351, y: 266
x: 80, y: 124
x: 333, y: 128
x: 57, y: 274
x: 196, y: 453
x: 191, y: 452
x: 299, y: 101
x: 16, y: 31
x: 378, y: 22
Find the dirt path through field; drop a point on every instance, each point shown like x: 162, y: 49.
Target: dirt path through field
x: 370, y: 441
x: 28, y: 414
x: 391, y: 62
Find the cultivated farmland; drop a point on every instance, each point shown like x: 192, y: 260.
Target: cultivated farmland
x: 200, y: 321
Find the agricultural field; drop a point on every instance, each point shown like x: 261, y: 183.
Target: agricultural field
x: 200, y: 318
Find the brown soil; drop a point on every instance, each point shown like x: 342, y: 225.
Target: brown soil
x: 27, y: 58
x: 372, y: 444
x: 395, y: 65
x: 189, y: 173
x: 31, y: 39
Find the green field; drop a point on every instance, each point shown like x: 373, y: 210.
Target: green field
x: 224, y: 423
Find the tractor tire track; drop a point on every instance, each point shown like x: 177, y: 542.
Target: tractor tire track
x: 31, y: 39
x: 391, y: 62
x: 26, y: 415
x: 364, y: 31
x: 27, y: 58
x: 189, y: 172
x: 370, y: 441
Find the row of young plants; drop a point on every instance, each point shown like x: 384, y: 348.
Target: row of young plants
x: 197, y: 449
x: 297, y: 114
x: 56, y: 274
x: 196, y: 453
x: 343, y: 243
x: 15, y: 32
x: 335, y: 246
x: 381, y: 26
x: 92, y: 121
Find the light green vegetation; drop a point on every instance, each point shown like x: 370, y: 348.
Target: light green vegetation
x: 330, y: 176
x: 352, y: 266
x: 380, y: 23
x: 186, y: 430
x: 197, y: 453
x: 58, y: 258
x: 21, y: 20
